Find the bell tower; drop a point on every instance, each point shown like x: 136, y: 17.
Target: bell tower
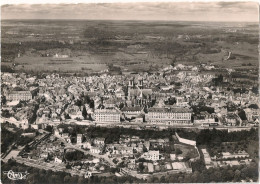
x: 140, y: 83
x: 131, y: 83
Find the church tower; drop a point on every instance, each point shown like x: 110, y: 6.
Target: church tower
x: 140, y: 83
x: 131, y: 83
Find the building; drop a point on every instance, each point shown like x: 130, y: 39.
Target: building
x: 241, y: 154
x: 207, y: 159
x: 137, y: 95
x: 58, y: 160
x: 95, y: 150
x: 251, y: 114
x: 106, y: 115
x: 99, y: 141
x: 88, y: 174
x: 169, y: 116
x: 19, y: 95
x: 131, y: 112
x: 79, y: 138
x: 232, y: 119
x: 181, y: 102
x: 152, y: 155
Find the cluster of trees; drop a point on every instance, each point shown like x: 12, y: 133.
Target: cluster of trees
x: 201, y: 108
x: 113, y: 134
x: 8, y: 69
x: 6, y: 114
x: 203, y: 175
x: 49, y: 128
x: 84, y: 99
x: 253, y: 106
x: 203, y: 137
x: 216, y: 150
x: 33, y: 115
x: 170, y: 101
x: 8, y: 138
x: 218, y: 81
x: 42, y: 176
x: 216, y: 137
x: 114, y: 69
x: 75, y: 155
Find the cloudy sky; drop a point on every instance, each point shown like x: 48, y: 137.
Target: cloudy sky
x: 186, y: 11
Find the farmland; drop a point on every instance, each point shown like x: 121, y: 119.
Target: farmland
x: 130, y: 45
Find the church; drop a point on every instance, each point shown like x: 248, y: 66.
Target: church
x: 137, y: 95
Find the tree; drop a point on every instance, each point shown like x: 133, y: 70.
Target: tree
x: 253, y: 106
x: 6, y: 114
x: 173, y: 62
x: 237, y: 175
x: 141, y: 167
x: 162, y: 179
x: 84, y: 112
x: 67, y: 116
x: 49, y: 128
x: 242, y: 115
x: 255, y: 90
x: 68, y: 166
x: 178, y: 151
x: 121, y: 105
x: 3, y: 100
x: 91, y: 104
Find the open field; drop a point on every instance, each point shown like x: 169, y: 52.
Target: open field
x: 187, y: 150
x: 131, y: 45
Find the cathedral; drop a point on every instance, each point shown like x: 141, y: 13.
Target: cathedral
x: 138, y: 95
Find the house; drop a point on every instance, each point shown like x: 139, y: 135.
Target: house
x: 79, y: 138
x: 152, y: 155
x: 56, y: 132
x: 65, y: 135
x: 57, y: 160
x: 173, y: 156
x: 126, y: 150
x: 88, y: 174
x: 44, y: 155
x: 95, y: 150
x: 147, y: 144
x: 86, y: 145
x: 99, y: 141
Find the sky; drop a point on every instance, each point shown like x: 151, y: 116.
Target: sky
x: 165, y: 11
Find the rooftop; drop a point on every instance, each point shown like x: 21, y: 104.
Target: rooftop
x: 169, y: 110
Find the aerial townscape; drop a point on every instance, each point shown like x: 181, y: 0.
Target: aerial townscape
x: 118, y: 105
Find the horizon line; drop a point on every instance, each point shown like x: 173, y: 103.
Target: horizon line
x: 162, y: 20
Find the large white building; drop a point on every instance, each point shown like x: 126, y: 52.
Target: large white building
x: 19, y: 95
x: 107, y: 115
x: 169, y: 116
